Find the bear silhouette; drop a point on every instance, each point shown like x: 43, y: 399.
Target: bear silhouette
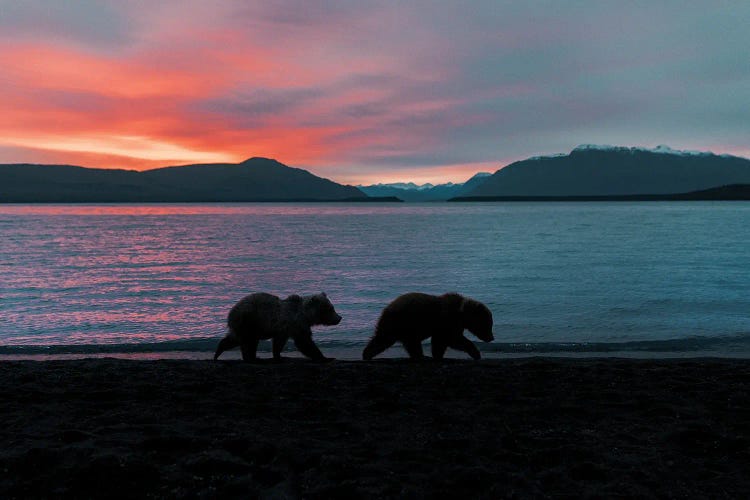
x: 414, y: 317
x: 265, y: 316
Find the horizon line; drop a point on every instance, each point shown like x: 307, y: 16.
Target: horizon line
x: 661, y: 149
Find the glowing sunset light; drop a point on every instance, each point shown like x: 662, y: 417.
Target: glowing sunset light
x: 128, y: 146
x: 365, y: 92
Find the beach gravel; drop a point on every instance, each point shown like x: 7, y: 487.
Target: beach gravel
x: 534, y: 427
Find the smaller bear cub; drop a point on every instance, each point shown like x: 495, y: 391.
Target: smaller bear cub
x: 265, y: 316
x: 414, y: 317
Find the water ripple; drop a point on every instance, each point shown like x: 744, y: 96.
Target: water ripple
x: 553, y: 274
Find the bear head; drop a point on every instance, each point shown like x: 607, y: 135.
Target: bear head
x: 320, y: 311
x: 477, y: 319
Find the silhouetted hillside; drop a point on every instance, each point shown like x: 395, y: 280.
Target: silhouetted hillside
x: 733, y: 192
x: 256, y: 179
x: 476, y: 180
x: 606, y: 171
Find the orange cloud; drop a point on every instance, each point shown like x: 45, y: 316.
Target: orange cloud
x: 126, y: 112
x: 210, y: 89
x: 112, y: 113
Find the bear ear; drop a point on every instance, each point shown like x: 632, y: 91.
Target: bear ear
x: 294, y: 298
x: 323, y: 294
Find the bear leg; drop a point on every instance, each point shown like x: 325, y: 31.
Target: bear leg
x: 278, y: 346
x: 306, y: 346
x: 228, y: 342
x: 377, y: 344
x: 466, y: 345
x: 438, y: 348
x: 249, y: 348
x: 414, y: 348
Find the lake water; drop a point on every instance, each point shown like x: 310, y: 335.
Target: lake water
x: 594, y: 278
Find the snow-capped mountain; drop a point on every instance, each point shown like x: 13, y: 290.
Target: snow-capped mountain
x: 594, y: 170
x: 660, y: 149
x: 405, y: 185
x: 409, y: 191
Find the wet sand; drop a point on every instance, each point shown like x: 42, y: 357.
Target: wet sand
x: 384, y: 429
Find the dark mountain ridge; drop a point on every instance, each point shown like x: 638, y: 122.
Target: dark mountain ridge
x: 732, y: 192
x: 587, y: 172
x: 615, y: 171
x: 255, y: 179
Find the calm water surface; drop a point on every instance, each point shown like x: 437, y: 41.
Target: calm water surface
x: 562, y: 277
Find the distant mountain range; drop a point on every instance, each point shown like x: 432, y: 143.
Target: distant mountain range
x: 612, y: 171
x: 408, y: 191
x: 256, y: 179
x: 587, y: 171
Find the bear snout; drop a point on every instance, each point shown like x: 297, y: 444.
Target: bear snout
x: 487, y: 337
x: 335, y: 320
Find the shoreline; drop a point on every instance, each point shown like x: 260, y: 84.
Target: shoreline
x: 388, y: 428
x: 393, y: 354
x: 735, y: 346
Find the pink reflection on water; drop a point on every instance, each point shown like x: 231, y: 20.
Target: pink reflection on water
x: 141, y: 273
x: 162, y: 209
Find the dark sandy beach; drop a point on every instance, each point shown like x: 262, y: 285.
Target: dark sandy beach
x: 384, y: 429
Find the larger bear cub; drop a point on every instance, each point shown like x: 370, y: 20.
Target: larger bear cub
x: 265, y: 316
x: 414, y: 317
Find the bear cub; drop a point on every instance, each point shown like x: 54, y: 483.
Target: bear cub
x: 414, y: 317
x: 265, y: 316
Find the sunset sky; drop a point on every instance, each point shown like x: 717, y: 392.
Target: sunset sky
x: 364, y: 92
